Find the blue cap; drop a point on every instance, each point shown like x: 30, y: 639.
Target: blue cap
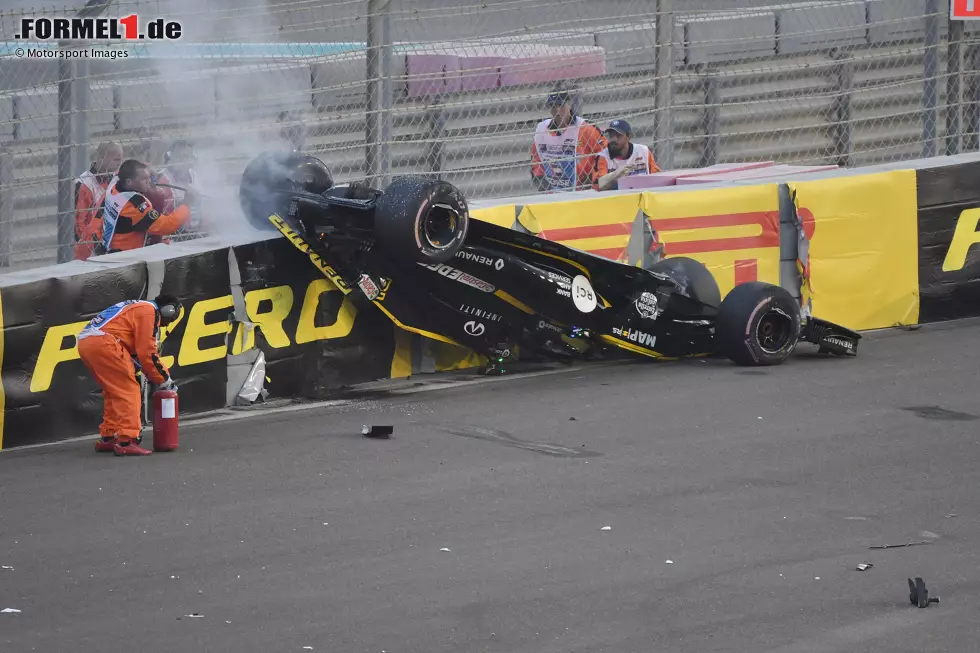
x: 620, y: 126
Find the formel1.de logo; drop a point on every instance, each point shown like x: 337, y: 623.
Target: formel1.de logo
x: 127, y: 28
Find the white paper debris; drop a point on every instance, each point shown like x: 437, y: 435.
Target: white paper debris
x: 194, y: 616
x: 6, y: 567
x: 669, y: 562
x: 9, y: 610
x: 445, y: 549
x: 606, y: 528
x: 816, y: 578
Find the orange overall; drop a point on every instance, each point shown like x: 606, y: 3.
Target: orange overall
x: 107, y: 346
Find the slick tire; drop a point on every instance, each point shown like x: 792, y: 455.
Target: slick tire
x: 758, y: 324
x: 700, y: 284
x: 418, y: 220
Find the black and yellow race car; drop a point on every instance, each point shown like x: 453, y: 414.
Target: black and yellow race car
x: 413, y: 252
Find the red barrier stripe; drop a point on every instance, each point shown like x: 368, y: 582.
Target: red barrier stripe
x: 745, y: 271
x: 596, y: 231
x: 722, y: 244
x: 765, y: 219
x: 614, y: 253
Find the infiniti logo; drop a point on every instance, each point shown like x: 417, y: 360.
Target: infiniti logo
x: 474, y: 328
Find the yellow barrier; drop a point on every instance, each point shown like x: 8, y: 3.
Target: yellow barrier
x: 864, y: 250
x: 734, y: 232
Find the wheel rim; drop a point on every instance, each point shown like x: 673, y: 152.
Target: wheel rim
x: 773, y: 331
x: 439, y: 226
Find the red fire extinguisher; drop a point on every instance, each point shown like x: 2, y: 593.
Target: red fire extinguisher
x: 165, y: 420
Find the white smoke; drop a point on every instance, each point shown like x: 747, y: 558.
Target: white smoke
x: 251, y: 94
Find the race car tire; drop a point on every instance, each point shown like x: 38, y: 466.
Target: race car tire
x: 700, y: 284
x: 417, y: 220
x: 758, y: 324
x: 271, y: 176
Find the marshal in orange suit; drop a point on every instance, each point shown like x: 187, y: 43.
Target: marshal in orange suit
x: 113, y: 345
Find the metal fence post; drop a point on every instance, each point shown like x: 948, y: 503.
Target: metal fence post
x: 709, y: 117
x: 435, y: 151
x: 664, y: 66
x: 843, y: 109
x: 379, y: 92
x: 80, y: 97
x: 930, y: 74
x: 971, y: 103
x: 954, y: 88
x: 6, y: 207
x: 66, y: 194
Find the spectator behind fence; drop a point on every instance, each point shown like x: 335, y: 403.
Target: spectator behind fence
x: 564, y: 155
x: 622, y: 157
x: 90, y: 188
x: 129, y: 218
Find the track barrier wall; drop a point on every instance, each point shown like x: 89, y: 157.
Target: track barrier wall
x: 869, y: 248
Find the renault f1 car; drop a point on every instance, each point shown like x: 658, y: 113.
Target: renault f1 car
x: 414, y: 253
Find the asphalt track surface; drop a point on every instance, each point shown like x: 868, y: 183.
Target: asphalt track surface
x: 764, y: 488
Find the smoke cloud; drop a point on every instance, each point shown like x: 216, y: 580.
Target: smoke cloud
x: 234, y: 102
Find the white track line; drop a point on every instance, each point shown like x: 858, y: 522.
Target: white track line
x: 430, y: 386
x: 329, y: 403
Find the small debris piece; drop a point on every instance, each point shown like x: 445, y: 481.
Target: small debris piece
x: 6, y: 567
x: 898, y: 546
x: 919, y: 595
x: 382, y: 432
x: 9, y: 610
x: 572, y: 419
x: 864, y: 566
x: 669, y: 562
x: 606, y: 528
x: 445, y: 549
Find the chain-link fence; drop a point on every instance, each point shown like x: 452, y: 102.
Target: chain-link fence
x: 457, y: 89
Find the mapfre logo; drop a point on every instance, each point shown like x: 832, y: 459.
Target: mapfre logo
x: 127, y: 28
x: 965, y: 236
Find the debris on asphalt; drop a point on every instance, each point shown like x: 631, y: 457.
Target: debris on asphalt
x: 669, y: 562
x: 606, y: 528
x: 856, y: 518
x: 307, y: 648
x: 919, y: 595
x: 929, y: 535
x: 572, y: 419
x: 9, y: 610
x: 952, y: 514
x: 445, y: 549
x: 372, y: 431
x: 193, y: 615
x: 864, y: 566
x: 6, y: 567
x: 899, y: 546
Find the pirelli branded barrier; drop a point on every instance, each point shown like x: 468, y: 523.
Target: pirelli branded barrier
x: 948, y: 205
x: 867, y: 249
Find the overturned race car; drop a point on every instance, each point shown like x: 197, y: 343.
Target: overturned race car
x: 413, y: 252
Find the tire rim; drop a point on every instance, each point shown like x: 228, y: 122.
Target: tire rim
x: 439, y: 226
x: 773, y: 331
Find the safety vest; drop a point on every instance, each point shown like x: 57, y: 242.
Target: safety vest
x: 557, y: 153
x: 640, y: 156
x: 91, y: 182
x: 111, y: 209
x: 94, y: 328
